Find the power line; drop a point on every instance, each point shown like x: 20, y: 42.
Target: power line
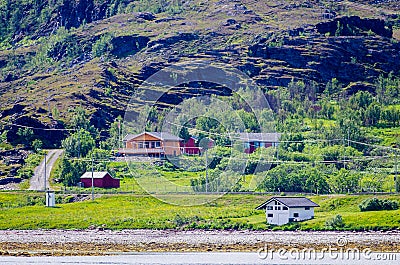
x: 36, y: 128
x: 376, y: 146
x: 238, y: 138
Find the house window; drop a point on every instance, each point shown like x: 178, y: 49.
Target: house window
x: 158, y: 144
x: 140, y: 145
x: 246, y: 145
x: 277, y: 208
x: 270, y: 215
x: 270, y: 208
x: 153, y: 144
x: 284, y: 208
x: 306, y: 208
x: 147, y: 144
x: 295, y: 214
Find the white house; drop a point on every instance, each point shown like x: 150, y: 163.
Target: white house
x: 282, y: 210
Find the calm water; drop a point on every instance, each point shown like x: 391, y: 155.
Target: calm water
x: 233, y: 258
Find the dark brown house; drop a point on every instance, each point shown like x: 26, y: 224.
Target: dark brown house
x: 100, y: 180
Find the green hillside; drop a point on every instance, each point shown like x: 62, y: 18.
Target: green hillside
x: 329, y: 69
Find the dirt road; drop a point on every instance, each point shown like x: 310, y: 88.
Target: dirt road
x: 37, y: 181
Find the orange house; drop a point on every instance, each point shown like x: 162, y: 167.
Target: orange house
x: 154, y: 144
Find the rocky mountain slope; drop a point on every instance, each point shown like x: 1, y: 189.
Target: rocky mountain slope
x: 97, y: 53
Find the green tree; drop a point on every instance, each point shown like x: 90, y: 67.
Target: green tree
x: 103, y: 46
x: 26, y: 135
x: 3, y: 136
x: 81, y: 120
x: 70, y: 171
x: 78, y: 144
x: 327, y: 109
x: 362, y: 99
x: 184, y: 134
x: 344, y: 181
x: 316, y: 180
x: 372, y: 115
x: 37, y: 145
x: 115, y: 132
x: 332, y: 87
x: 292, y: 142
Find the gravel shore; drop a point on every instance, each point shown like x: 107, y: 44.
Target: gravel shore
x: 94, y: 242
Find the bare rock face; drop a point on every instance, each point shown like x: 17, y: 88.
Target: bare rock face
x: 355, y: 26
x: 128, y: 45
x: 361, y: 52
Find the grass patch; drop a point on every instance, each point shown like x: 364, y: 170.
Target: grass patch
x: 135, y: 211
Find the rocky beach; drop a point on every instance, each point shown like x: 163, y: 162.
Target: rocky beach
x: 109, y: 242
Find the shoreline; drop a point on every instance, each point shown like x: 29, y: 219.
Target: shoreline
x: 111, y: 242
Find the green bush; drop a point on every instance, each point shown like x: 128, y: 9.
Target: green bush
x: 335, y: 223
x: 102, y: 46
x: 375, y: 204
x: 68, y: 199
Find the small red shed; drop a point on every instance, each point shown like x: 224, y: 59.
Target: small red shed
x: 190, y: 147
x: 100, y: 180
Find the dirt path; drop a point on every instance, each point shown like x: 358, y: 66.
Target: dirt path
x: 37, y: 181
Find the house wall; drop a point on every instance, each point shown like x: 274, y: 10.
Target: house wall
x: 252, y: 146
x: 110, y: 182
x: 303, y: 213
x: 279, y: 217
x: 190, y: 147
x: 133, y: 143
x: 172, y: 148
x: 87, y: 183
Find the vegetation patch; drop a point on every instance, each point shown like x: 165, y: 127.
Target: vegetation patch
x: 375, y: 204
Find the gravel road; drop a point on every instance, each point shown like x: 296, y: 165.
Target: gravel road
x: 103, y: 241
x: 37, y: 181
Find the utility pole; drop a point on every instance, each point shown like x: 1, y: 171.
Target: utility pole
x: 344, y: 154
x: 45, y: 171
x: 92, y: 180
x: 206, y: 172
x: 119, y: 134
x: 396, y: 180
x: 348, y: 137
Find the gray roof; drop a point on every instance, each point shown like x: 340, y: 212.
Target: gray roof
x: 164, y: 136
x: 291, y: 202
x: 260, y: 137
x: 96, y: 175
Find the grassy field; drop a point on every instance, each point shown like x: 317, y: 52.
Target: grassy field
x: 26, y: 211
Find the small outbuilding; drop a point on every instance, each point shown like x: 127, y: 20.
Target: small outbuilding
x: 282, y: 210
x: 100, y: 180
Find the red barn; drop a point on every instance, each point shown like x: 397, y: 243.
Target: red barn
x: 100, y: 180
x: 189, y: 147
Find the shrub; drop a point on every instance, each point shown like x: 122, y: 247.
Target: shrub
x: 68, y: 199
x: 103, y: 46
x: 375, y: 204
x: 335, y: 222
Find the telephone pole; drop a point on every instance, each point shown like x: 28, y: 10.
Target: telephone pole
x: 92, y: 180
x: 206, y: 172
x: 396, y: 180
x: 45, y: 171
